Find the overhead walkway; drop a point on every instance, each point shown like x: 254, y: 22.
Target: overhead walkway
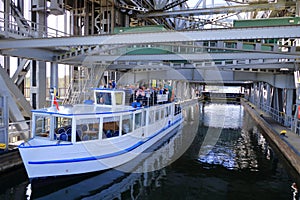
x: 157, y: 37
x: 228, y: 41
x: 211, y: 50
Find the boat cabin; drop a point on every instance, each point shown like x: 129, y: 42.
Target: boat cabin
x: 107, y: 117
x: 109, y: 97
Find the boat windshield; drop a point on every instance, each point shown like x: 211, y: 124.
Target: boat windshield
x: 60, y: 125
x: 42, y: 126
x: 103, y: 98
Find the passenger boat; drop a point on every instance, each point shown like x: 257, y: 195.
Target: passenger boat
x: 83, y: 138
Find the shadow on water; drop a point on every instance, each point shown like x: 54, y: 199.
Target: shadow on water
x: 218, y: 154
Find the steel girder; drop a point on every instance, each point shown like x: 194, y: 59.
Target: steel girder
x: 157, y: 37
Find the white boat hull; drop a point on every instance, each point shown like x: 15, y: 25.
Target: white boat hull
x: 89, y: 156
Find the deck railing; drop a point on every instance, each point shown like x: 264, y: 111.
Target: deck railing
x: 35, y: 30
x: 288, y: 121
x: 15, y: 135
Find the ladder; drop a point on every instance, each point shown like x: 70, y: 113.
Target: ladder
x: 84, y: 79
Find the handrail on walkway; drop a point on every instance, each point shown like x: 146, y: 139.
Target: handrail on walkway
x: 288, y: 121
x: 10, y: 25
x: 15, y: 136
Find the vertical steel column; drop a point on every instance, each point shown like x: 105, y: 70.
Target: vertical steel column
x: 269, y: 95
x: 54, y: 76
x: 179, y: 89
x: 280, y: 99
x: 112, y: 21
x: 289, y: 105
x: 298, y: 8
x: 275, y: 99
x: 4, y: 118
x: 185, y: 90
x: 86, y: 17
x: 261, y: 94
x: 255, y: 93
x: 250, y: 92
x: 6, y: 28
x: 297, y: 85
x: 6, y: 16
x: 38, y: 69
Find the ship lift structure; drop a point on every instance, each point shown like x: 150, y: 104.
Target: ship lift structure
x: 254, y: 43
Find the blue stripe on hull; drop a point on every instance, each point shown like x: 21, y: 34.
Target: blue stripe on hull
x: 138, y: 144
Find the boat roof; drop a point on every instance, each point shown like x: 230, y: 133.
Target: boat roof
x: 84, y: 109
x: 108, y: 89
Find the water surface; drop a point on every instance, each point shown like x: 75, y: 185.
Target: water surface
x: 220, y: 153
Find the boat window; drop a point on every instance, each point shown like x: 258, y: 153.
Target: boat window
x: 103, y: 98
x: 62, y: 122
x: 167, y: 111
x: 138, y: 120
x: 162, y: 113
x: 63, y: 128
x: 151, y: 117
x: 157, y: 115
x: 87, y: 129
x: 127, y: 124
x: 111, y: 127
x: 144, y: 118
x: 119, y: 98
x: 177, y: 109
x: 42, y: 126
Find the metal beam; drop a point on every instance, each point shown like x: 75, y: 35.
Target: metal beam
x: 215, y: 10
x: 188, y: 57
x: 31, y: 53
x: 15, y: 97
x: 148, y: 66
x: 276, y: 80
x: 158, y: 37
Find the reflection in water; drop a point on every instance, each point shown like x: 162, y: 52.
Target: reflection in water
x: 224, y: 143
x: 28, y: 191
x: 220, y: 116
x: 236, y: 167
x: 232, y: 145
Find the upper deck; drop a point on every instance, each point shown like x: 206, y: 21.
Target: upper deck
x: 105, y: 101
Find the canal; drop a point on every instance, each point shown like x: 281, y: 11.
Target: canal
x: 220, y: 153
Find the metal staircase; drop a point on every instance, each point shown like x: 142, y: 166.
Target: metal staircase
x: 18, y: 16
x: 17, y: 108
x: 85, y: 78
x: 76, y: 87
x: 15, y: 93
x: 18, y: 27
